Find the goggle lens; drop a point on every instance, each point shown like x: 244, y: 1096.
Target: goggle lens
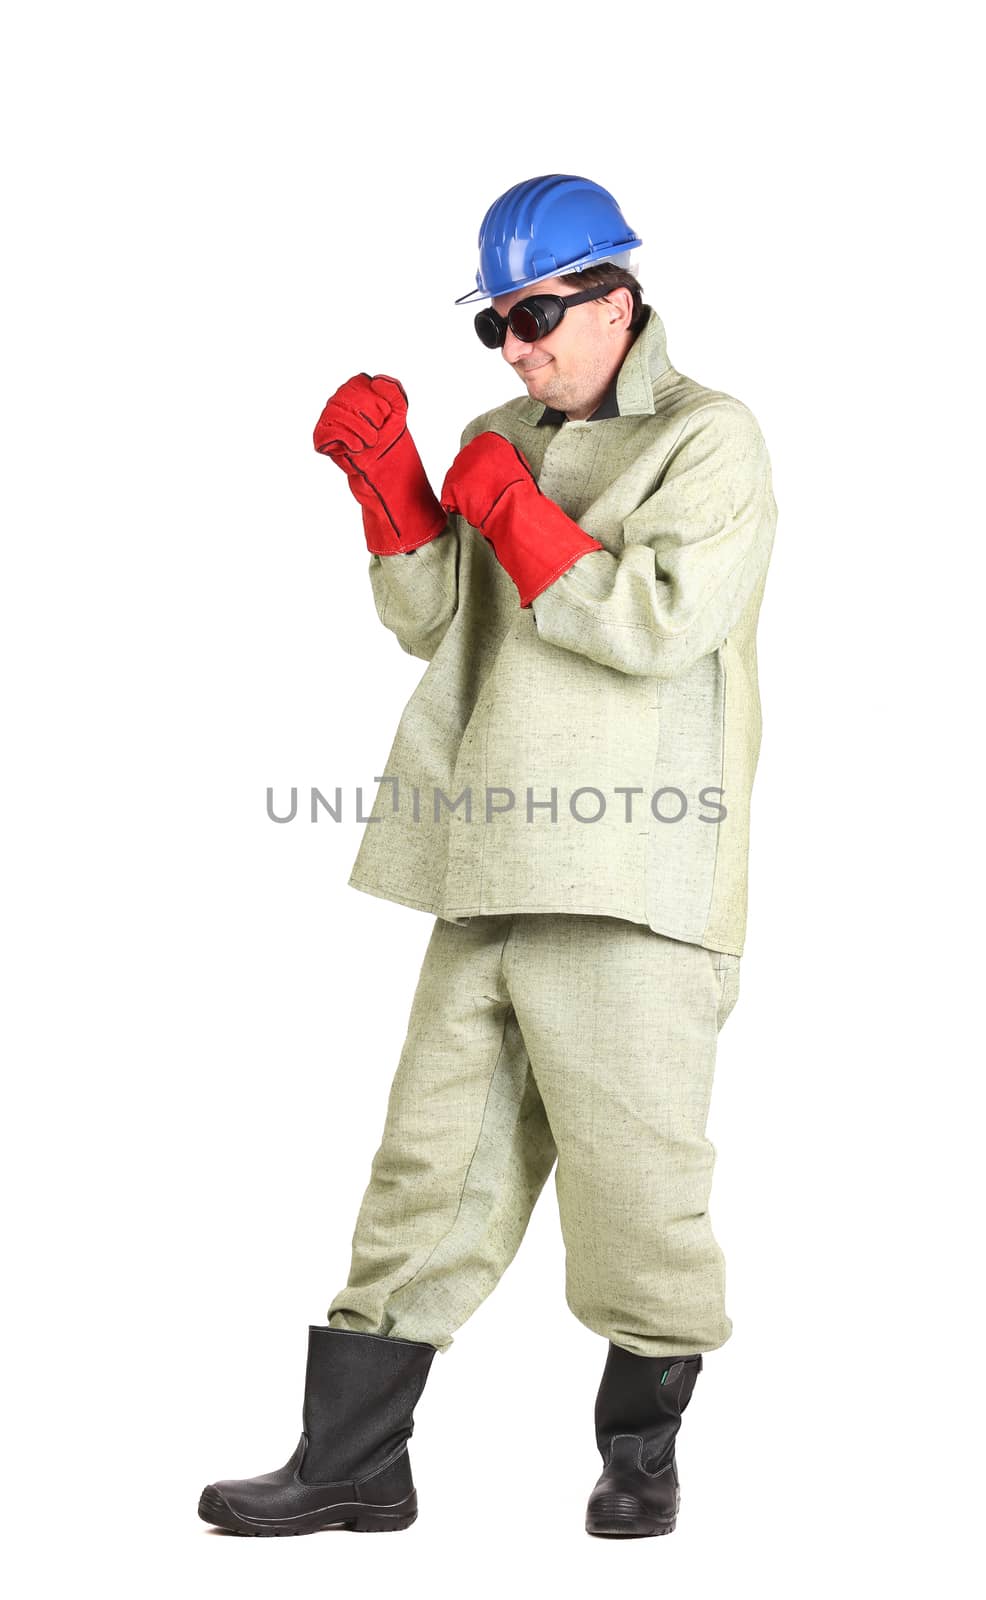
x: 525, y: 323
x: 491, y: 327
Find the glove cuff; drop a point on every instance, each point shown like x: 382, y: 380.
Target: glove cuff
x: 382, y: 537
x: 534, y: 540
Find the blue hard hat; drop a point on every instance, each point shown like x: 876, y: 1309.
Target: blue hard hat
x: 544, y: 227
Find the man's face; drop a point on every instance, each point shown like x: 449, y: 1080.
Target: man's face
x: 571, y: 367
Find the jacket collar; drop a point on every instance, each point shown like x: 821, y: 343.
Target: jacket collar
x: 631, y: 393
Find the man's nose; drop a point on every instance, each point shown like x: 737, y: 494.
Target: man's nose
x: 515, y: 349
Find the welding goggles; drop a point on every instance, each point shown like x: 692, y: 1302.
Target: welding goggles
x: 530, y: 319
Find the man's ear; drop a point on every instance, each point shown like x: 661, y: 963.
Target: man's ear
x: 619, y: 300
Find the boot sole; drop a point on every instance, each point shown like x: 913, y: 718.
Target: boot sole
x: 349, y: 1515
x: 629, y: 1530
x: 622, y: 1517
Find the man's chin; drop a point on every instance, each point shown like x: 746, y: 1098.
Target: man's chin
x: 542, y: 390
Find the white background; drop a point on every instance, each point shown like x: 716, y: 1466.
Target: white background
x: 216, y: 214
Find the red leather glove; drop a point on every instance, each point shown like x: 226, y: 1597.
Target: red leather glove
x: 491, y: 485
x: 363, y: 429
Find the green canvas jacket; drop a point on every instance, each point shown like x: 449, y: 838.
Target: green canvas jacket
x: 578, y: 755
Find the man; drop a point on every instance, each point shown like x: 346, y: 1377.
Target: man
x: 568, y: 795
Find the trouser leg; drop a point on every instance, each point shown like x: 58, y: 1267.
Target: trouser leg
x: 621, y: 1027
x: 465, y: 1152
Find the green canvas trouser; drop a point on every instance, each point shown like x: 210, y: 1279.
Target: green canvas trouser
x: 535, y: 1037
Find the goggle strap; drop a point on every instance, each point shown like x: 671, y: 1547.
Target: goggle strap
x: 579, y: 299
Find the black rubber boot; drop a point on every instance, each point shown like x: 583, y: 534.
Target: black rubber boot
x: 638, y: 1413
x: 351, y: 1467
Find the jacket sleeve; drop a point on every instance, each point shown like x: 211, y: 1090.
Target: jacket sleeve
x: 416, y: 592
x: 694, y: 553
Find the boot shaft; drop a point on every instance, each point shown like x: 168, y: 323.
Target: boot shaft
x: 644, y: 1397
x: 360, y: 1393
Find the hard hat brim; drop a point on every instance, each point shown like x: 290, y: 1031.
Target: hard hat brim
x: 605, y: 253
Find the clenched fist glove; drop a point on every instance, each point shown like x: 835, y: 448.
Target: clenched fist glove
x: 364, y: 430
x: 491, y: 485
